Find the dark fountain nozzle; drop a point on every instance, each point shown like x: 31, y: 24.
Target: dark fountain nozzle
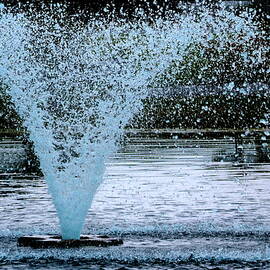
x: 56, y: 241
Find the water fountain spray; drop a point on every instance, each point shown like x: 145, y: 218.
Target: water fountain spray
x: 77, y: 86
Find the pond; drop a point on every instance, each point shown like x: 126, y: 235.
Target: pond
x: 166, y: 196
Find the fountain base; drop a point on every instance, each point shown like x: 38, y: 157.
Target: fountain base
x: 56, y: 241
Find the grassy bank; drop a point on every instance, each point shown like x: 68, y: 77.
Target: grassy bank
x: 9, y: 132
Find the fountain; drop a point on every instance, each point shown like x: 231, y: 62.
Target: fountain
x: 77, y: 86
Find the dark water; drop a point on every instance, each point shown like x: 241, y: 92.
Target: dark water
x: 174, y: 206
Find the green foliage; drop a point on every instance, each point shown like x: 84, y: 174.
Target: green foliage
x: 241, y: 60
x: 9, y: 119
x: 219, y: 110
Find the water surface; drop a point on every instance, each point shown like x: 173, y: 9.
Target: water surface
x: 167, y: 197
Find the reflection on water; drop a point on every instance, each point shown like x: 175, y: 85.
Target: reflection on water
x: 12, y: 155
x: 171, y: 203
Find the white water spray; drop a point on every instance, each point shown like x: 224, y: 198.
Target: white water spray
x: 76, y: 88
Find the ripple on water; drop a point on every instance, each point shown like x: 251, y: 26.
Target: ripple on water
x: 178, y: 211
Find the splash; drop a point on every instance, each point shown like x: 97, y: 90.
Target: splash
x: 77, y: 86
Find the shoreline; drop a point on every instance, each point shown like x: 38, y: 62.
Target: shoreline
x: 164, y: 131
